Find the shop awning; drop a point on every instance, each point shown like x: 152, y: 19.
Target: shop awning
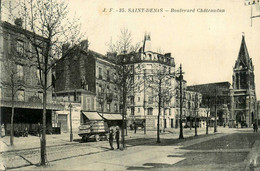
x: 109, y: 116
x: 92, y: 115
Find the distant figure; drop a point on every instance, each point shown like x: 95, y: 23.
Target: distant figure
x: 39, y: 129
x: 117, y: 136
x: 135, y: 126
x: 25, y: 134
x: 111, y: 138
x: 131, y: 127
x: 255, y: 127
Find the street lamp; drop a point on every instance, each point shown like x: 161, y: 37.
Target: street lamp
x: 207, y: 120
x: 71, y: 135
x: 181, y: 128
x: 196, y: 107
x: 215, y: 126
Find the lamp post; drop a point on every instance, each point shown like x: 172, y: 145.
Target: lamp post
x: 181, y: 128
x: 196, y: 107
x: 71, y: 135
x: 207, y: 120
x: 215, y: 125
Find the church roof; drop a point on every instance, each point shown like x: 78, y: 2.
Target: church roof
x: 243, y: 55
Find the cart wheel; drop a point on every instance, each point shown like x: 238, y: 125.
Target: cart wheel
x: 97, y: 137
x: 84, y: 138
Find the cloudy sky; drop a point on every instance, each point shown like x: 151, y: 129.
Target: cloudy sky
x: 205, y: 43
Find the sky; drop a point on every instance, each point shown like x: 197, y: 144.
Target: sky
x: 205, y: 43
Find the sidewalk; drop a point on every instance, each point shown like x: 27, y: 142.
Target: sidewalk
x: 30, y: 142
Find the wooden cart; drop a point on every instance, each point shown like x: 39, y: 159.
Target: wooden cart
x: 93, y: 129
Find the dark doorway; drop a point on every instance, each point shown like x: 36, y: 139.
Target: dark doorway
x: 63, y: 122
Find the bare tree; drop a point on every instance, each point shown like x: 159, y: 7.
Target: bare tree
x: 49, y: 19
x: 11, y: 79
x: 125, y: 49
x: 161, y: 82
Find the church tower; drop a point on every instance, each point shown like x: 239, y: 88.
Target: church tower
x: 243, y: 98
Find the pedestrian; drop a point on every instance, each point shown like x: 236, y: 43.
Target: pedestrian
x: 111, y: 138
x: 25, y: 134
x: 39, y: 129
x: 255, y: 127
x: 117, y: 136
x: 135, y: 127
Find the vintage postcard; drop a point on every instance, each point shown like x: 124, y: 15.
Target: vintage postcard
x: 129, y: 85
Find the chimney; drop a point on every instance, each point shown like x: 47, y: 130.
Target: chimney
x: 18, y: 22
x: 84, y: 45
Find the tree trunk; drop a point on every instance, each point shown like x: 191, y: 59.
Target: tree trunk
x: 124, y: 109
x: 196, y: 132
x: 12, y: 121
x: 43, y: 138
x: 159, y: 112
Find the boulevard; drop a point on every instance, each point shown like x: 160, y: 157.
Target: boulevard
x: 228, y: 149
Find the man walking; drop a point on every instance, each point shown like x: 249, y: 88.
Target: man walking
x: 135, y: 127
x: 117, y: 137
x: 111, y: 138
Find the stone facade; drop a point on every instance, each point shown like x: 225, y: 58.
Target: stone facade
x: 143, y: 99
x: 88, y: 78
x: 216, y: 96
x: 17, y: 58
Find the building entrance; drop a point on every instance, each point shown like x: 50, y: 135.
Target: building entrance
x: 241, y: 120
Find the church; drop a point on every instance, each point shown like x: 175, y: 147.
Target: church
x: 243, y: 96
x: 235, y: 105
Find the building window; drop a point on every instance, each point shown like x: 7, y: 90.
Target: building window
x: 139, y: 110
x: 132, y: 111
x: 150, y: 111
x: 20, y: 72
x: 116, y: 110
x: 150, y: 57
x: 150, y: 100
x: 139, y: 99
x: 132, y: 100
x: 88, y: 103
x: 100, y: 73
x: 20, y: 95
x: 20, y: 47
